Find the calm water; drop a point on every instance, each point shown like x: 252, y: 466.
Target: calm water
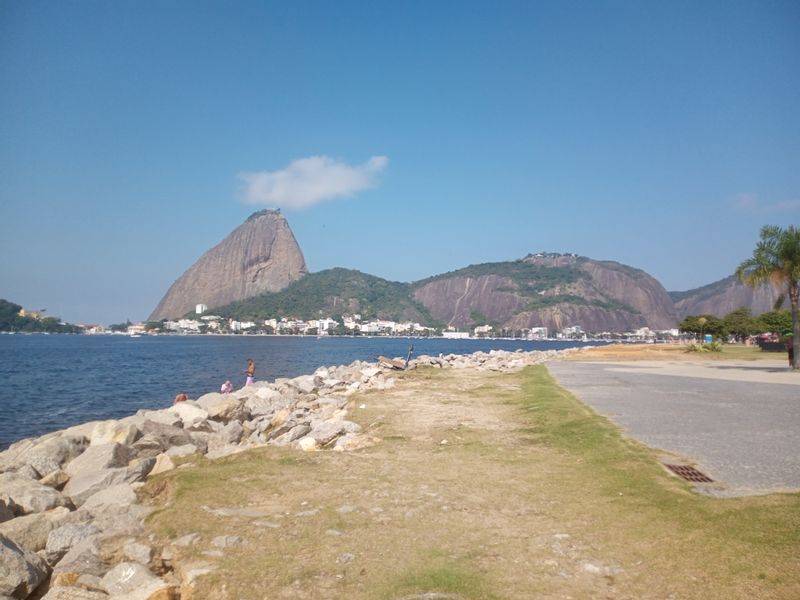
x: 50, y: 382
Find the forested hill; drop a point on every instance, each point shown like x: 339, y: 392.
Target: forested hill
x: 548, y: 290
x: 10, y: 320
x: 544, y: 290
x: 334, y: 292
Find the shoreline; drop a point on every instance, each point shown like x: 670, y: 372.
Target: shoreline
x: 69, y: 499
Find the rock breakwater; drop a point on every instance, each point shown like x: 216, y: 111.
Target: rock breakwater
x: 70, y: 521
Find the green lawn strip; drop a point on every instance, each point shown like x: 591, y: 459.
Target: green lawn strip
x: 441, y: 573
x: 752, y: 535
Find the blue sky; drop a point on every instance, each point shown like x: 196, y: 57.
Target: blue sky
x: 403, y: 139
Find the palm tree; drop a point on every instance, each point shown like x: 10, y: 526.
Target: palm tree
x: 702, y: 322
x: 777, y: 259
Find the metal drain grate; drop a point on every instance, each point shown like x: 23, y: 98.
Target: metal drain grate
x: 689, y: 473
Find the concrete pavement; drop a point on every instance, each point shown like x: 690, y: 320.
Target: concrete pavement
x: 736, y: 421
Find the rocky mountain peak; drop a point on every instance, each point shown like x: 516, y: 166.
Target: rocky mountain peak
x: 261, y: 255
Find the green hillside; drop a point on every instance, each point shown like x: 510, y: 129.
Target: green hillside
x: 333, y: 292
x: 11, y: 321
x: 530, y: 278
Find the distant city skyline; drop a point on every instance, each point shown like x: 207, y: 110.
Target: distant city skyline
x: 400, y: 139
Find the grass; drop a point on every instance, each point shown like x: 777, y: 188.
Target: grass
x: 440, y: 572
x: 675, y: 352
x: 530, y: 487
x: 739, y: 529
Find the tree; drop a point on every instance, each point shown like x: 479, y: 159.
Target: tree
x: 774, y: 321
x: 777, y: 259
x: 740, y: 323
x: 699, y: 325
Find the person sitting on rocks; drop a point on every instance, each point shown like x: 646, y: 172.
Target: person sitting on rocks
x: 251, y: 371
x: 226, y: 387
x: 182, y: 397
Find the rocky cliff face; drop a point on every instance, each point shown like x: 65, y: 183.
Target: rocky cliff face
x: 553, y: 291
x: 721, y: 297
x: 259, y: 256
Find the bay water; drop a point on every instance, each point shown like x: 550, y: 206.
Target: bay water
x: 49, y: 382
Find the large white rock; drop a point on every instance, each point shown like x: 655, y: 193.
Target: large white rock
x: 229, y: 410
x: 190, y: 413
x: 31, y: 531
x: 131, y: 580
x: 163, y: 464
x: 74, y: 593
x: 99, y: 457
x: 207, y: 401
x: 9, y: 458
x: 230, y: 434
x: 268, y: 393
x: 168, y: 435
x: 114, y: 497
x: 306, y: 384
x: 307, y: 444
x: 138, y: 553
x: 106, y: 432
x: 26, y: 496
x: 326, y: 431
x: 164, y: 416
x: 257, y: 406
x: 84, y: 557
x: 21, y: 571
x: 55, y: 479
x: 88, y: 483
x: 61, y: 539
x: 368, y: 373
x: 50, y: 454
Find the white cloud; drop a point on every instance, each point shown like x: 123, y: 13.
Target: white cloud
x: 308, y: 181
x: 751, y: 203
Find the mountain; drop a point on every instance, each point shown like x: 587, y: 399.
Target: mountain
x: 334, y: 292
x: 544, y: 290
x: 548, y: 290
x: 723, y: 296
x: 261, y: 255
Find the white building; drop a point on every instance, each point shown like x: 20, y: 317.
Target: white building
x: 456, y: 335
x: 370, y: 328
x: 574, y: 330
x: 325, y: 326
x: 483, y: 330
x: 537, y: 333
x: 200, y: 309
x: 240, y: 325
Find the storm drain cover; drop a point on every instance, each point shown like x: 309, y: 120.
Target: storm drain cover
x: 689, y: 473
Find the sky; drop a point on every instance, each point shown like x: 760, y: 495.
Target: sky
x: 403, y: 139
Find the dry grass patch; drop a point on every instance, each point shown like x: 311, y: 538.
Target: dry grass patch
x: 672, y: 352
x: 484, y: 486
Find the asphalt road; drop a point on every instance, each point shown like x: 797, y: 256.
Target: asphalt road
x: 737, y: 422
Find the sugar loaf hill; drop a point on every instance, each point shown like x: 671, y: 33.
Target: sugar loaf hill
x: 258, y: 272
x: 261, y: 255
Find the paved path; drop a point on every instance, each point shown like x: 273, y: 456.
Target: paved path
x: 738, y: 422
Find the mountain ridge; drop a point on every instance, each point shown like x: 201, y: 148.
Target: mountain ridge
x: 258, y: 271
x: 723, y: 296
x: 260, y: 255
